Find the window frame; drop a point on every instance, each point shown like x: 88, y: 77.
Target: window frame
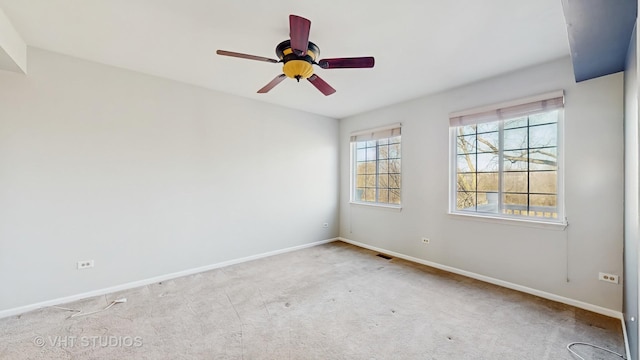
x: 499, y: 216
x: 371, y: 135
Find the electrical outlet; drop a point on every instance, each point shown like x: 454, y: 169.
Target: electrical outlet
x: 608, y: 277
x: 325, y: 225
x: 85, y: 264
x: 426, y: 241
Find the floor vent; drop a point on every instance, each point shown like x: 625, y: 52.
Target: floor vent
x: 384, y: 256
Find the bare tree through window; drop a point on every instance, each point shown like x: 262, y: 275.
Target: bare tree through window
x: 509, y: 167
x: 378, y: 175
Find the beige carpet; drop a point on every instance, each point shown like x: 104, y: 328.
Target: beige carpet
x: 334, y: 301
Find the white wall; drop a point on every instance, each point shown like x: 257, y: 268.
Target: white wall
x: 13, y: 50
x: 148, y: 177
x: 525, y: 256
x: 631, y: 195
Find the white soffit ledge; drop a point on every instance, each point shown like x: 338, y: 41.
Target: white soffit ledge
x: 13, y: 50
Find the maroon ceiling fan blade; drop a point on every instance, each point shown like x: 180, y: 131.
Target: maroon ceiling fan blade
x: 299, y: 33
x: 277, y: 80
x: 246, y: 56
x: 344, y: 63
x: 321, y: 85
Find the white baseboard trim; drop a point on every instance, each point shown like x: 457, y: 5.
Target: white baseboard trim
x: 156, y: 279
x: 506, y: 284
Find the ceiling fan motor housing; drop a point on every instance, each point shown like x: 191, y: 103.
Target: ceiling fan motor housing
x: 296, y: 66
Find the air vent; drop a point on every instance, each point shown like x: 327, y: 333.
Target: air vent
x: 384, y: 256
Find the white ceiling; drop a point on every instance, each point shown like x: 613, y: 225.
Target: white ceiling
x: 420, y: 47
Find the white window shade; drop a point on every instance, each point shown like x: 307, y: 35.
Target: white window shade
x: 509, y: 110
x: 377, y: 133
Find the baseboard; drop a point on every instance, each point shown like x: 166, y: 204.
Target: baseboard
x: 506, y: 284
x: 156, y: 279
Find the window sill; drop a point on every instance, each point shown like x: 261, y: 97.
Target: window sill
x: 397, y: 208
x: 559, y: 226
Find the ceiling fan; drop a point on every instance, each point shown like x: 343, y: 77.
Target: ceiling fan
x: 299, y: 55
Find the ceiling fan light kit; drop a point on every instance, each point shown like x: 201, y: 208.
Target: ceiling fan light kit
x: 297, y: 66
x: 298, y: 56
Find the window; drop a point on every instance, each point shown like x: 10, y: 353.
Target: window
x: 375, y: 165
x: 506, y: 160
